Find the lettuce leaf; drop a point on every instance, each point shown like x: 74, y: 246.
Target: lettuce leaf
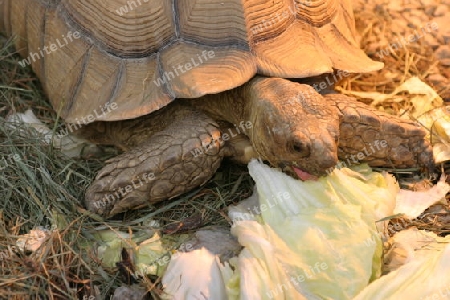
x: 425, y: 277
x: 314, y: 239
x: 200, y: 277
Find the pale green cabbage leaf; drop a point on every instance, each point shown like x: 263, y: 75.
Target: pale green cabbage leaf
x: 315, y: 239
x: 425, y: 278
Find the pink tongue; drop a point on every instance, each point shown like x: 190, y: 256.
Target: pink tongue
x: 304, y: 175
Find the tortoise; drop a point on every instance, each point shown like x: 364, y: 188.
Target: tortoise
x: 183, y: 84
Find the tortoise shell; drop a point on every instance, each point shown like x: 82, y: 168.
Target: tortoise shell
x: 143, y: 54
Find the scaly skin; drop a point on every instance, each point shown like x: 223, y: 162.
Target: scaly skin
x: 378, y: 138
x: 161, y: 162
x: 292, y: 127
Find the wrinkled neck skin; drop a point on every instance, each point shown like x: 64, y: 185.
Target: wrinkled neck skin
x: 236, y: 106
x: 231, y: 106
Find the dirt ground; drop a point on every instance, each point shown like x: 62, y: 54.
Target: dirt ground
x: 411, y: 37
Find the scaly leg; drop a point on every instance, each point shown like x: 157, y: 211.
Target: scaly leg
x: 369, y: 135
x: 183, y: 155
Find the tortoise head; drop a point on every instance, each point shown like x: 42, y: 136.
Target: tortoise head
x: 294, y: 127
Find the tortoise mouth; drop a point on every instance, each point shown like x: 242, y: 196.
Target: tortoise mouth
x: 303, y: 175
x: 295, y: 171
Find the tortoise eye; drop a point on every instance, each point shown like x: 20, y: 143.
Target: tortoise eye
x: 300, y: 148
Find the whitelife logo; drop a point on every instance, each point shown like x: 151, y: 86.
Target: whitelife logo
x: 48, y: 49
x: 181, y: 69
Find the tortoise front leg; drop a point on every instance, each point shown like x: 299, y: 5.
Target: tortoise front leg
x: 382, y: 140
x: 174, y: 160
